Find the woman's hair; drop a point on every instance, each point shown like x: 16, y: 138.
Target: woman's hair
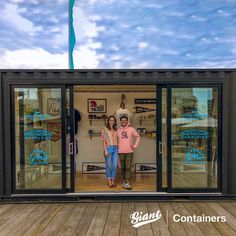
x: 115, y: 124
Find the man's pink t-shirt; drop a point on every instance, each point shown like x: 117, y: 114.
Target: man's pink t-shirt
x: 128, y: 139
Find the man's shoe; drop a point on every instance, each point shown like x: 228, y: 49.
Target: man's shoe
x: 126, y: 185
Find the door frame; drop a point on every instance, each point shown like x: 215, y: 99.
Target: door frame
x: 63, y: 149
x: 72, y: 139
x: 170, y: 189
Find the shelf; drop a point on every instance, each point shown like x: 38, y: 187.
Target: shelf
x: 141, y: 120
x: 94, y: 134
x: 91, y: 120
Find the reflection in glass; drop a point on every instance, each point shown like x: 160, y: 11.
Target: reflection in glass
x: 194, y: 117
x: 38, y: 143
x: 164, y: 137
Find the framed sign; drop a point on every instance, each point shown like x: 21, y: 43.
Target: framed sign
x: 55, y: 129
x: 97, y: 105
x: 54, y: 106
x: 145, y: 101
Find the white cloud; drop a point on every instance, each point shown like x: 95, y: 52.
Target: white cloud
x: 83, y: 26
x: 86, y: 58
x: 142, y: 45
x: 11, y: 14
x: 60, y: 39
x: 33, y: 59
x: 198, y: 18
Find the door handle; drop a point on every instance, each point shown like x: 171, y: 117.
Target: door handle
x: 160, y: 147
x: 71, y: 149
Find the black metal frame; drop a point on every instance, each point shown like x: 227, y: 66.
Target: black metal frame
x: 219, y: 139
x: 63, y: 159
x: 1, y: 139
x: 72, y: 139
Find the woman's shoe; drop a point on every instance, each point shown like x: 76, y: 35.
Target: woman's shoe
x: 109, y: 184
x: 113, y: 184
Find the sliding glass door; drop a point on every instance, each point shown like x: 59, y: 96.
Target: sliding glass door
x: 194, y: 144
x: 39, y: 138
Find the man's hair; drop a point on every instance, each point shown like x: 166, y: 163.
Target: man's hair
x: 124, y: 117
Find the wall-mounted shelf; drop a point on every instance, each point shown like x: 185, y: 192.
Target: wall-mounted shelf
x: 91, y: 120
x: 94, y: 134
x: 141, y: 121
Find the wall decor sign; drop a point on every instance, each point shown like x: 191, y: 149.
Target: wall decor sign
x: 145, y: 168
x: 38, y: 157
x: 93, y: 167
x: 38, y: 134
x: 143, y: 109
x: 194, y: 134
x: 193, y: 167
x: 145, y: 101
x: 55, y: 129
x: 54, y: 106
x: 97, y: 105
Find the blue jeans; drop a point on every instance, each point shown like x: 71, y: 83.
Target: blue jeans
x: 111, y: 162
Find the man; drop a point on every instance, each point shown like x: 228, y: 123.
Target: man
x: 128, y: 140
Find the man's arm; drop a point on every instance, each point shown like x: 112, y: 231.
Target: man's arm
x: 137, y: 137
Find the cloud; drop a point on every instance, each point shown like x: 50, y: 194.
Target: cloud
x: 87, y: 58
x: 11, y: 14
x: 37, y: 58
x: 142, y: 45
x: 83, y: 26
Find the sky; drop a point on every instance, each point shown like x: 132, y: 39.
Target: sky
x: 119, y: 34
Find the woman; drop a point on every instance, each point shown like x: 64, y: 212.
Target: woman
x: 109, y: 138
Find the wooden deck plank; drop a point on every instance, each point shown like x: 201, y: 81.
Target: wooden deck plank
x: 6, y: 207
x: 6, y: 216
x: 206, y: 227
x: 102, y: 218
x: 57, y: 222
x: 230, y: 207
x: 96, y: 227
x: 159, y: 227
x: 86, y: 219
x: 191, y: 228
x: 44, y: 220
x: 28, y: 221
x: 231, y: 220
x: 112, y: 226
x: 222, y: 227
x: 126, y: 227
x: 145, y: 229
x: 72, y: 221
x: 16, y: 219
x: 174, y: 228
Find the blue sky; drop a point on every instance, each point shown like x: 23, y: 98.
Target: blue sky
x: 119, y: 34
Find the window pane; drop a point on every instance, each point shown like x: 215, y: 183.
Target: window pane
x: 38, y: 143
x: 194, y: 131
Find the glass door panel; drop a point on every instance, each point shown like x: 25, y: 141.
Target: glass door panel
x: 38, y: 127
x: 194, y: 138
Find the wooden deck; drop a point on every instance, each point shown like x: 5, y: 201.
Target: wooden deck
x: 105, y: 218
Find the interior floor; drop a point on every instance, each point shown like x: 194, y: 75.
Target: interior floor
x: 98, y: 182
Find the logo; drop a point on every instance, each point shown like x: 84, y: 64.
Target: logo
x: 139, y: 219
x: 38, y: 134
x: 37, y: 116
x: 194, y: 115
x: 38, y: 157
x: 194, y: 134
x: 194, y: 154
x: 124, y: 135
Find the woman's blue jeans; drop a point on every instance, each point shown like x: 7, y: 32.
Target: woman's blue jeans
x: 111, y: 162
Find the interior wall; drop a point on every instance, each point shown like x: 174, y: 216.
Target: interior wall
x: 92, y: 150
